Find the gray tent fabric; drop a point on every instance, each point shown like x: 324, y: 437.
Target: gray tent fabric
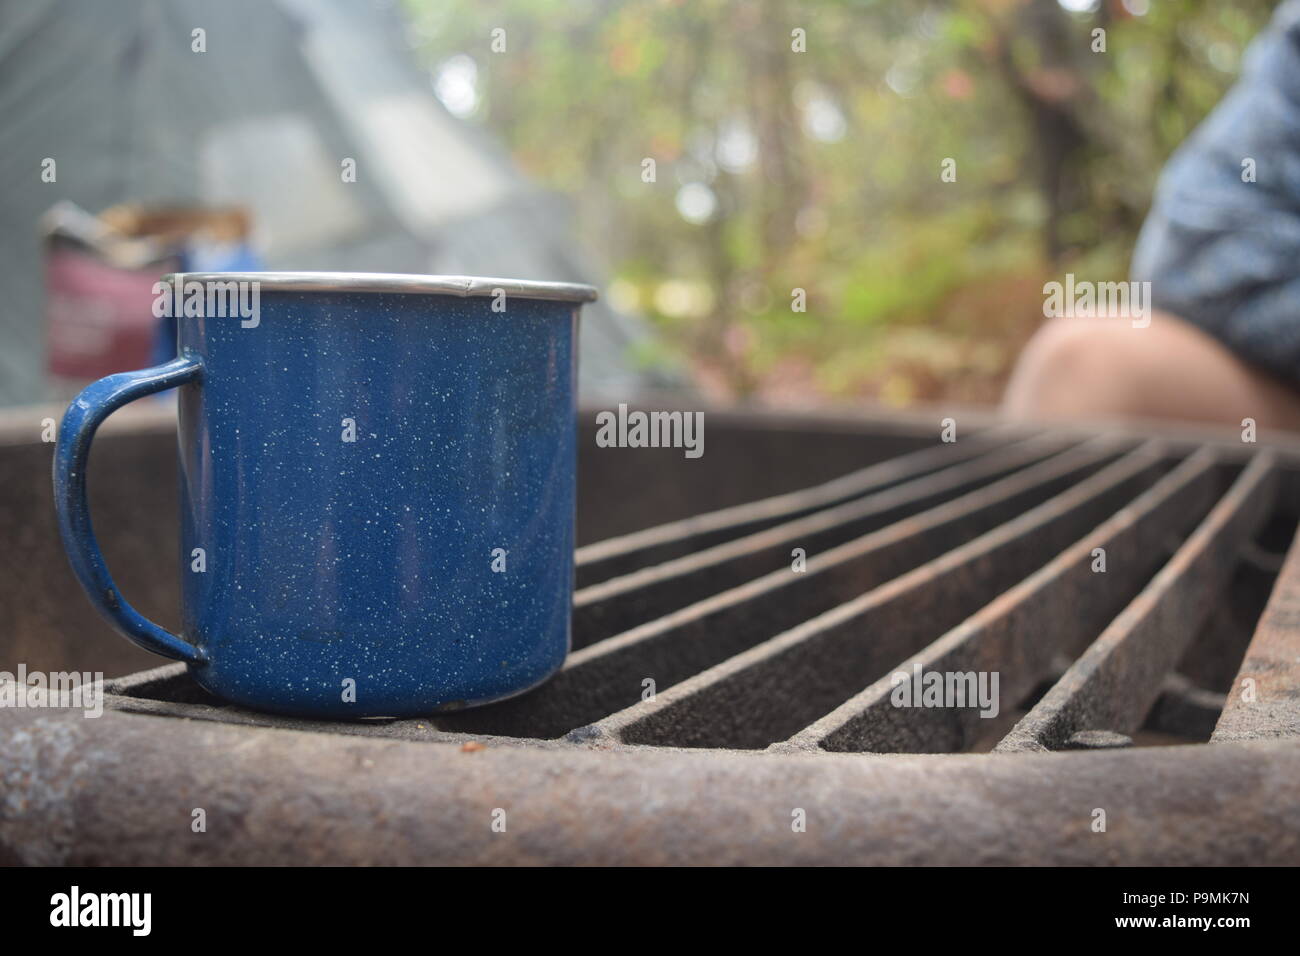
x: 285, y: 92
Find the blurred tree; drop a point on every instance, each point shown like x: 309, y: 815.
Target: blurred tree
x: 802, y: 146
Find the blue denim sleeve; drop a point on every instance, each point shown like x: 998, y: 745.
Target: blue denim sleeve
x: 1219, y: 250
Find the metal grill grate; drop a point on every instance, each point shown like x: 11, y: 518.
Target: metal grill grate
x: 773, y: 686
x: 977, y: 557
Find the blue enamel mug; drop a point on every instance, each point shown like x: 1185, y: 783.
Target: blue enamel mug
x: 377, y: 488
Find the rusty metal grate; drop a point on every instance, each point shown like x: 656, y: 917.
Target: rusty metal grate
x: 974, y: 557
x: 773, y: 686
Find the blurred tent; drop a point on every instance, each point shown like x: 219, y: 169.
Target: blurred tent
x: 285, y: 92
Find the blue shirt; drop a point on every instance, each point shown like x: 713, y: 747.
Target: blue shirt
x: 1219, y: 250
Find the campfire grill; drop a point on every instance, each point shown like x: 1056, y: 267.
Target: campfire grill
x: 718, y: 693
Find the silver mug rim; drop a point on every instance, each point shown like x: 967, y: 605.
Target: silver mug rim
x: 397, y: 282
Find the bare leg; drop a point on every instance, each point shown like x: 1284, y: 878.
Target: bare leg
x: 1107, y: 369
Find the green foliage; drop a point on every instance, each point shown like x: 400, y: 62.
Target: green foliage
x: 820, y: 170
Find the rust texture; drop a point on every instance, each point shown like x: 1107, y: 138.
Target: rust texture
x: 624, y: 554
x: 608, y: 676
x: 973, y: 557
x: 622, y: 603
x: 774, y: 690
x: 122, y: 789
x: 1011, y: 634
x: 1265, y: 697
x: 1114, y: 683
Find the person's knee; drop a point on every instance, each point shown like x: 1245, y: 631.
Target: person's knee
x: 1070, y: 368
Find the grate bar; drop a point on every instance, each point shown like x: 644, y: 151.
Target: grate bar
x: 622, y: 603
x: 1113, y: 685
x: 395, y: 802
x: 601, y: 679
x: 1272, y: 664
x: 1017, y: 635
x: 771, y: 691
x: 615, y: 557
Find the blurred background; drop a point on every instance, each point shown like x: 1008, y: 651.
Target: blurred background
x: 756, y: 185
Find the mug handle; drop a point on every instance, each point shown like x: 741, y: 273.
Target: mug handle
x: 87, y: 411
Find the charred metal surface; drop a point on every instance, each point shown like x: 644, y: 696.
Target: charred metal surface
x: 606, y: 677
x: 768, y: 693
x: 1265, y: 697
x: 1021, y: 633
x: 997, y: 573
x: 122, y: 789
x: 1113, y: 685
x: 618, y: 605
x: 615, y: 557
x: 747, y: 458
x: 1097, y: 740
